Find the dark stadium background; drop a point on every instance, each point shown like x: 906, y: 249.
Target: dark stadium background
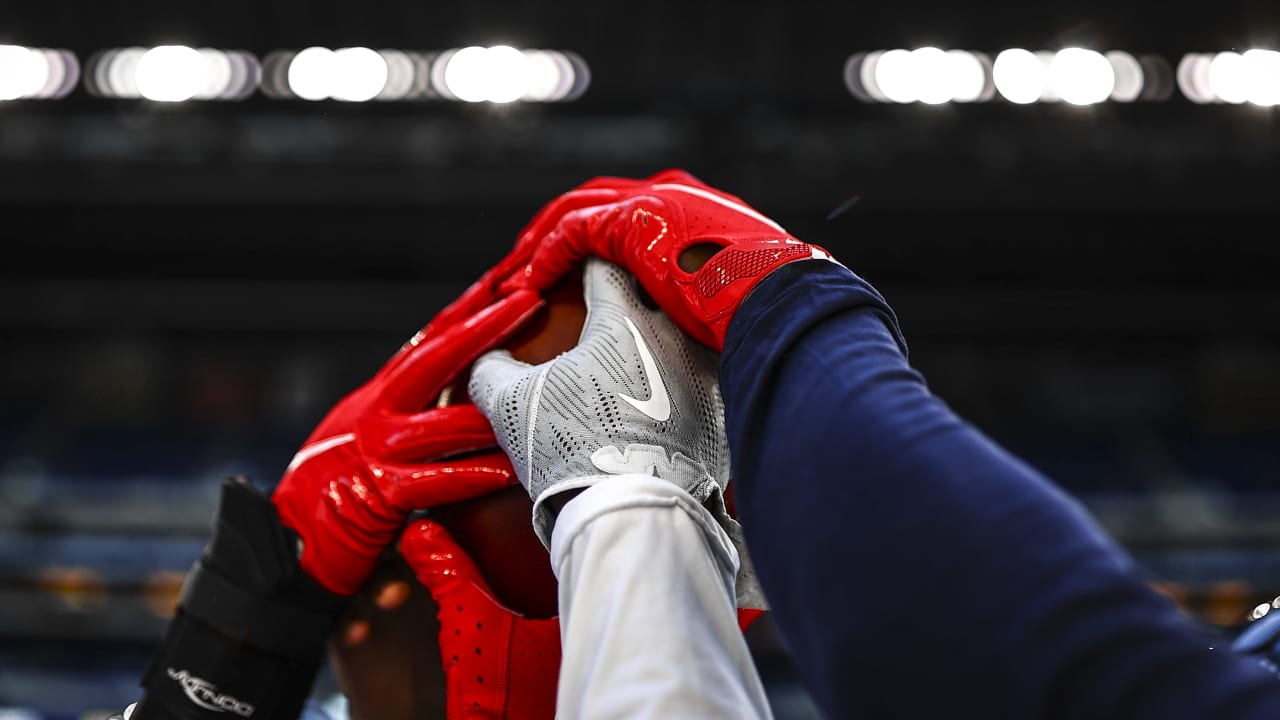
x: 186, y: 288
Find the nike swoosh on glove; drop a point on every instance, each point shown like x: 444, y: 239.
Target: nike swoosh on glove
x: 635, y: 395
x: 645, y: 225
x: 378, y: 455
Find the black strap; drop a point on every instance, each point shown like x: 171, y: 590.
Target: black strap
x: 198, y: 673
x: 286, y: 630
x: 251, y: 626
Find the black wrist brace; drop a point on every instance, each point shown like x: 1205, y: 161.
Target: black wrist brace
x: 250, y: 631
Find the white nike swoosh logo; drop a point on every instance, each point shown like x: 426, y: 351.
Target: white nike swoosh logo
x: 658, y: 406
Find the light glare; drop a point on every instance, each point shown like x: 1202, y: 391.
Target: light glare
x: 122, y: 75
x: 1128, y: 74
x: 1193, y: 78
x: 894, y: 75
x: 399, y: 81
x: 499, y: 74
x: 1227, y: 78
x: 217, y: 74
x: 1262, y: 77
x: 466, y: 74
x: 170, y: 73
x: 1019, y: 76
x: 309, y: 73
x: 508, y: 74
x: 966, y: 75
x: 1081, y: 77
x: 931, y: 74
x: 544, y: 76
x: 23, y: 72
x: 358, y: 74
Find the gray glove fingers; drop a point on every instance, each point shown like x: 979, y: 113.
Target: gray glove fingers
x: 602, y: 287
x: 493, y: 373
x: 497, y: 379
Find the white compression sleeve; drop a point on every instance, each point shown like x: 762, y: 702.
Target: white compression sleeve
x: 647, y: 618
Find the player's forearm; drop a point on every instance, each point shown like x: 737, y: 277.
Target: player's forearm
x: 964, y: 570
x: 250, y: 631
x: 647, y: 615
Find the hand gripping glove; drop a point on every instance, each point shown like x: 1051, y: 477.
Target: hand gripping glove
x: 634, y: 396
x: 377, y: 456
x: 497, y: 663
x: 646, y: 226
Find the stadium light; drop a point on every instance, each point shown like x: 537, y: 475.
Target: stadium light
x: 930, y: 75
x: 246, y: 75
x: 400, y: 70
x: 1019, y: 76
x: 122, y: 73
x: 465, y: 74
x: 1193, y: 78
x: 63, y: 74
x: 358, y: 74
x: 509, y: 74
x: 1081, y: 77
x: 968, y: 76
x: 499, y: 74
x: 309, y: 73
x: 171, y: 73
x: 177, y: 73
x: 1262, y: 77
x: 1227, y: 79
x: 894, y: 76
x: 1129, y: 78
x: 23, y: 72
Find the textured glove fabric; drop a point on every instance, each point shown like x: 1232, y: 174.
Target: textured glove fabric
x: 646, y: 226
x: 497, y: 663
x: 634, y: 396
x: 386, y: 450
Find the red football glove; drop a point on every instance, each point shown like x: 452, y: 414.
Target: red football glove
x: 644, y: 226
x: 376, y: 456
x: 497, y: 663
x: 487, y: 290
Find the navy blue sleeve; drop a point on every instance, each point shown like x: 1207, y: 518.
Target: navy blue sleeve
x: 917, y: 569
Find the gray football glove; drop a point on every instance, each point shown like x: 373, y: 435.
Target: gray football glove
x: 634, y: 396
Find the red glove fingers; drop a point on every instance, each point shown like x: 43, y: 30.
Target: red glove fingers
x: 424, y: 365
x: 435, y: 433
x: 441, y: 483
x: 378, y: 455
x: 648, y: 228
x: 485, y: 291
